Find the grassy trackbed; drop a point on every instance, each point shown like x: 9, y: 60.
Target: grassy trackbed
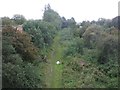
x: 53, y: 72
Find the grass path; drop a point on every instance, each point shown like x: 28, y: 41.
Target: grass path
x: 53, y: 72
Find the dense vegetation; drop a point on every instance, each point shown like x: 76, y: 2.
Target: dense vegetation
x: 88, y: 52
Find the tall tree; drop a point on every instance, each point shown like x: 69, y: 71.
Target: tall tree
x: 116, y: 22
x: 64, y: 23
x: 52, y: 16
x: 71, y: 23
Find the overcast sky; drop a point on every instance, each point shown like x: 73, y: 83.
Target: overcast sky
x: 79, y: 9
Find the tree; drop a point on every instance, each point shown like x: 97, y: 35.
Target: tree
x: 76, y: 46
x: 108, y: 47
x: 71, y: 22
x: 42, y: 32
x: 52, y: 17
x: 6, y: 21
x: 92, y: 34
x: 64, y: 23
x: 83, y: 26
x: 21, y: 42
x: 116, y: 22
x: 19, y: 53
x: 104, y: 22
x: 19, y: 19
x: 24, y: 46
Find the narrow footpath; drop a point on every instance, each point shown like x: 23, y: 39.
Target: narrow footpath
x: 53, y: 71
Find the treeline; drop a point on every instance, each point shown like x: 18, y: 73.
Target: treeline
x: 91, y: 54
x: 24, y: 52
x: 95, y: 49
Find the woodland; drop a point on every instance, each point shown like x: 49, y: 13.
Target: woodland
x: 87, y: 52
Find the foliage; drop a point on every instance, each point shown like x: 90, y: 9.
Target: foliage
x: 52, y: 16
x: 104, y: 22
x: 6, y: 21
x: 108, y: 47
x: 19, y: 19
x: 71, y: 23
x: 42, y: 33
x: 88, y: 52
x: 64, y: 23
x: 76, y: 75
x: 77, y: 32
x: 18, y: 72
x: 21, y: 42
x: 116, y: 22
x: 98, y: 49
x: 91, y: 35
x: 21, y: 76
x: 75, y: 47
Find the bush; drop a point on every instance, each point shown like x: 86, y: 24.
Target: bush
x: 21, y: 76
x: 76, y: 46
x: 92, y: 35
x: 107, y: 46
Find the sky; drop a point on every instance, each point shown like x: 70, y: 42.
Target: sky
x: 79, y: 9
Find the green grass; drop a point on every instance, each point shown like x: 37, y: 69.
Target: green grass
x: 53, y: 72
